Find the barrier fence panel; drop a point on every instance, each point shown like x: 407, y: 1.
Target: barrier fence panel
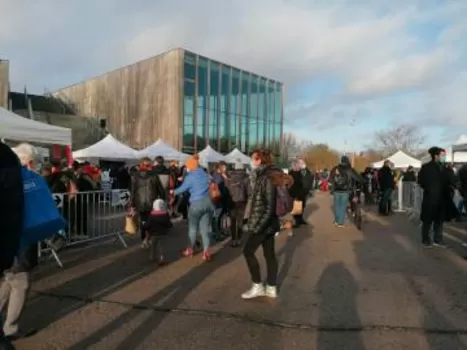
x: 90, y: 216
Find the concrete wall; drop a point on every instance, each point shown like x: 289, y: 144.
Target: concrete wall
x: 4, y: 83
x: 83, y: 135
x: 141, y: 102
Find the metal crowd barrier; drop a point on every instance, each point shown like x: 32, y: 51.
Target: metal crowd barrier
x: 91, y: 216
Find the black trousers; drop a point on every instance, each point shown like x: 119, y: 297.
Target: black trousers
x: 143, y: 217
x: 269, y: 251
x: 237, y: 212
x: 437, y: 230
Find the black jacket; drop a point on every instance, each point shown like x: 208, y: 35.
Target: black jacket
x: 386, y: 179
x: 262, y: 219
x: 145, y: 188
x: 158, y: 225
x: 462, y: 176
x: 434, y: 180
x: 11, y: 205
x: 354, y: 177
x: 409, y: 176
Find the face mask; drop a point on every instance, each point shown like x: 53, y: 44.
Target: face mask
x: 253, y: 165
x: 442, y: 159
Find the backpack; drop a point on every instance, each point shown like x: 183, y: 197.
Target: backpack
x: 284, y: 203
x: 214, y: 191
x: 237, y: 189
x: 341, y: 180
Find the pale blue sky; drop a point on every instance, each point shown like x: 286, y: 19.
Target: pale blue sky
x: 351, y: 67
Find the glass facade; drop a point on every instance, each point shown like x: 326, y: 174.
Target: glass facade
x: 229, y: 108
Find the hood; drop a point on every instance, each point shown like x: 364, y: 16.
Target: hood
x: 345, y: 161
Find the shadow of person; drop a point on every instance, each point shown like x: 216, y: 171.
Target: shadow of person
x: 339, y: 323
x: 172, y: 295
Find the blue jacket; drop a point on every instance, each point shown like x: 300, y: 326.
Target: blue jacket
x: 196, y: 183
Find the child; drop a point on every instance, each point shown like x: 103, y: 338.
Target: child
x: 287, y: 221
x: 157, y: 225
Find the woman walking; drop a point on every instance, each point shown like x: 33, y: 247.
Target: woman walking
x: 262, y: 224
x: 196, y: 183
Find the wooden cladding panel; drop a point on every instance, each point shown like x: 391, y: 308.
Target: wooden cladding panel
x: 141, y: 102
x: 4, y: 83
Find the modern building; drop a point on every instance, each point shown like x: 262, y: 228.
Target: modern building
x: 186, y: 99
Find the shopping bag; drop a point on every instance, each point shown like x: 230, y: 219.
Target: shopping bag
x: 297, y: 208
x: 130, y: 225
x: 41, y: 218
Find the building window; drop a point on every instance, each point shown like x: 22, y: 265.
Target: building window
x: 214, y: 89
x: 244, y: 121
x: 270, y: 113
x: 224, y: 110
x: 189, y: 66
x: 253, y: 114
x: 262, y: 113
x: 202, y: 103
x: 188, y: 116
x: 234, y: 110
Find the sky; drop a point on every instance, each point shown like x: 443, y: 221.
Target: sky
x: 351, y: 68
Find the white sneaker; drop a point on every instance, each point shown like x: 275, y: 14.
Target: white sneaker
x: 257, y: 290
x: 270, y: 292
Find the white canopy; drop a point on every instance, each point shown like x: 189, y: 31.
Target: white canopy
x: 236, y: 155
x: 160, y: 148
x: 209, y: 155
x: 400, y: 160
x: 107, y: 148
x: 17, y: 128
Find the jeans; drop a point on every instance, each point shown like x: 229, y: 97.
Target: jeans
x: 216, y: 221
x: 269, y: 252
x: 340, y: 201
x: 13, y: 293
x: 385, y: 202
x: 199, y: 220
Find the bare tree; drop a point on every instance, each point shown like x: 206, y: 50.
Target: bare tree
x: 405, y: 137
x: 292, y: 147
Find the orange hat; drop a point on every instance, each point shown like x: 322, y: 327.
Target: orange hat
x: 193, y: 162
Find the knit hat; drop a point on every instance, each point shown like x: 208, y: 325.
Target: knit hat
x: 192, y: 163
x: 238, y: 164
x: 159, y: 205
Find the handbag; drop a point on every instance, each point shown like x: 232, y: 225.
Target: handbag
x: 130, y: 225
x: 297, y: 208
x: 41, y: 218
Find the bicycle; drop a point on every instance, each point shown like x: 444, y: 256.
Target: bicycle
x: 356, y: 208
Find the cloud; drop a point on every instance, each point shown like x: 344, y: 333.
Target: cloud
x: 375, y: 50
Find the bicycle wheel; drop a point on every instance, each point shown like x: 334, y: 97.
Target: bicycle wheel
x: 358, y: 219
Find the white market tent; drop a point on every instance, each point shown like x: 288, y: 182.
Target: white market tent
x: 400, y: 160
x: 160, y: 148
x: 236, y: 155
x: 209, y: 155
x: 17, y: 128
x: 108, y: 148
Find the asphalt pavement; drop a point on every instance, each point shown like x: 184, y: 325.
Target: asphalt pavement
x: 340, y: 288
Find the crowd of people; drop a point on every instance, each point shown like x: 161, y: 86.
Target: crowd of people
x: 258, y: 200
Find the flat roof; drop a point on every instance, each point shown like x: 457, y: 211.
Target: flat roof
x: 161, y: 54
